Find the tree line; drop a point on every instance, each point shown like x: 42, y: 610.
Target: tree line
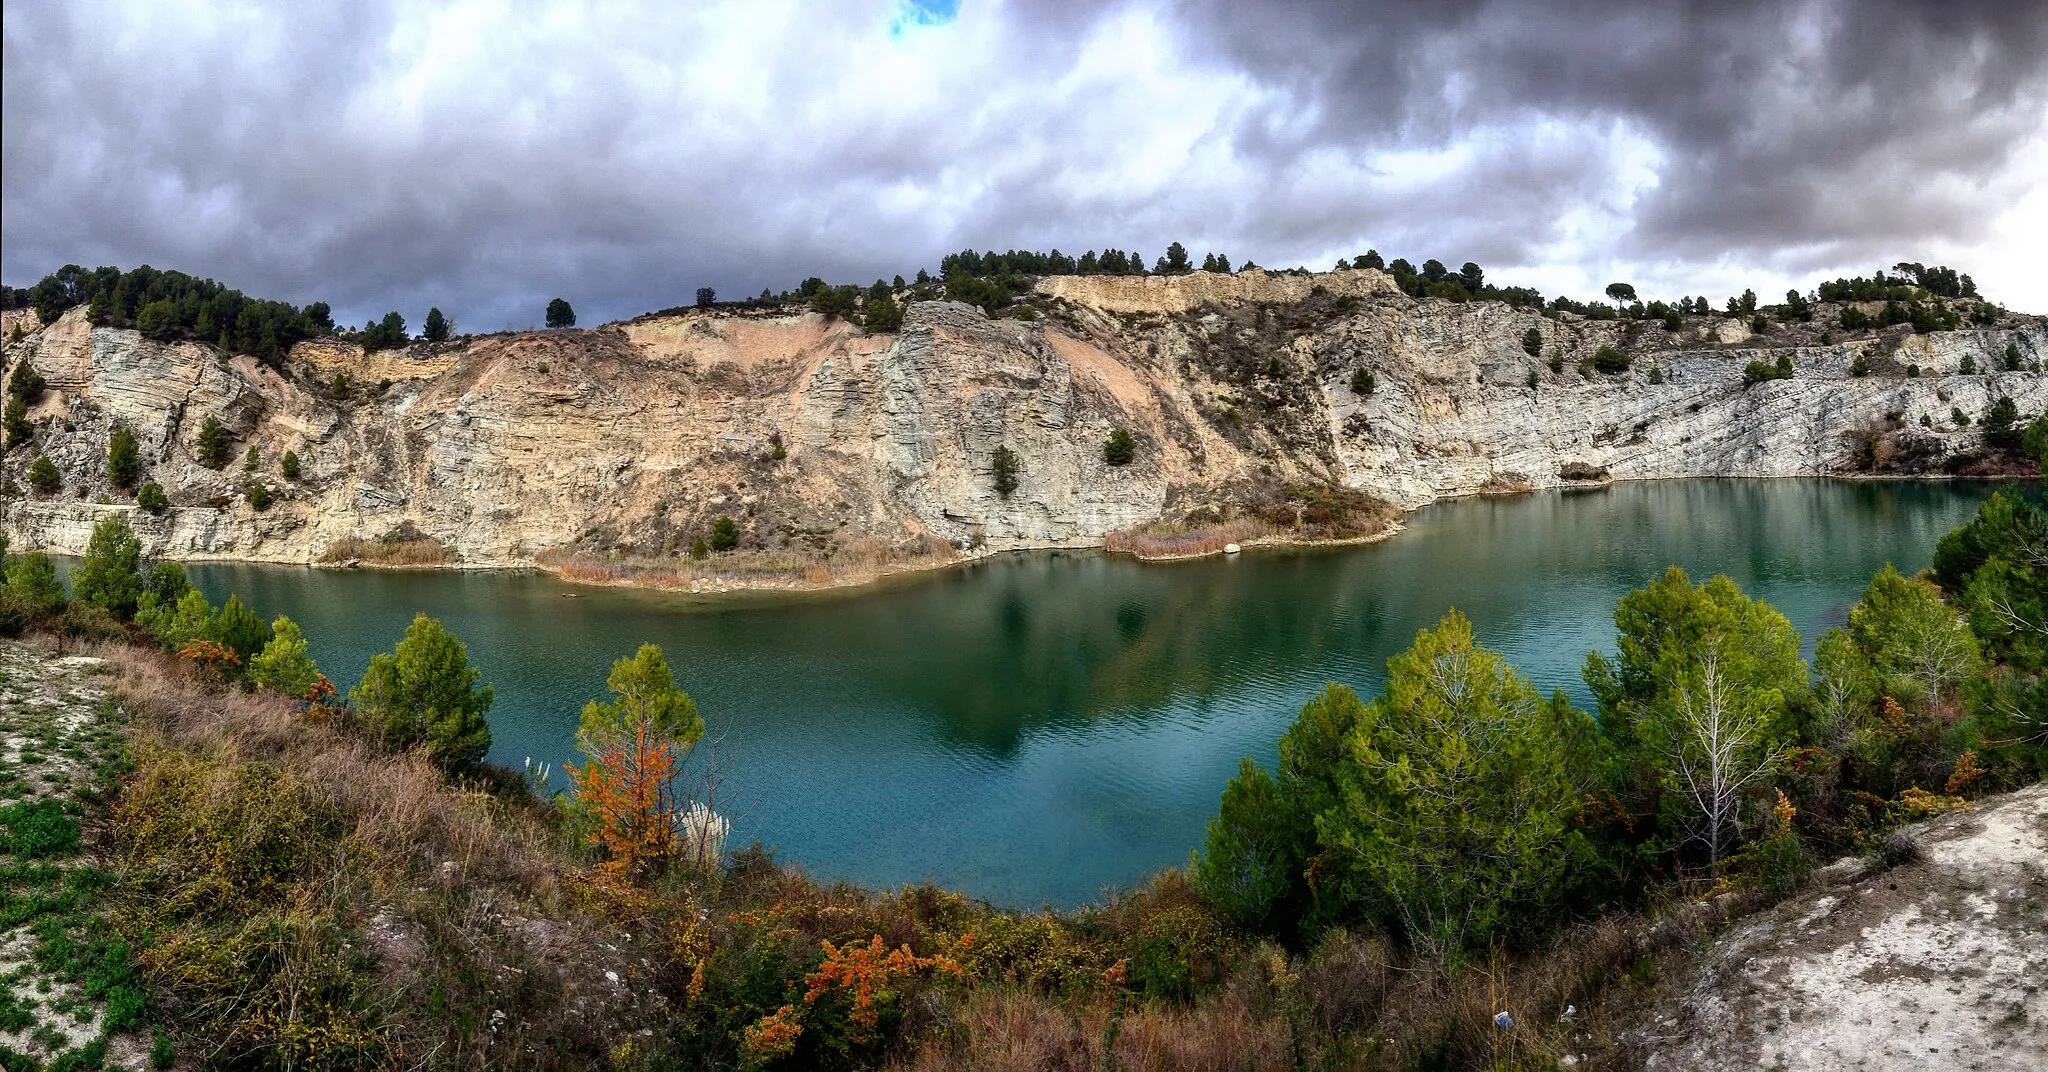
x: 168, y: 306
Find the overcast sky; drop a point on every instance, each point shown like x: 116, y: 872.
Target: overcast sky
x: 485, y: 156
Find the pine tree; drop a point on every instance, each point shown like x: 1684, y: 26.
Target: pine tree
x: 1003, y: 464
x: 124, y: 459
x: 215, y: 444
x: 425, y: 693
x: 110, y: 574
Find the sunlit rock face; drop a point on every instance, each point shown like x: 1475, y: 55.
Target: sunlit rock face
x: 629, y: 439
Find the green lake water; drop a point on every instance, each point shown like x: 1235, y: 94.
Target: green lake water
x: 1036, y: 727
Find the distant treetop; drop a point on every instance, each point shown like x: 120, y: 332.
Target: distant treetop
x: 168, y: 306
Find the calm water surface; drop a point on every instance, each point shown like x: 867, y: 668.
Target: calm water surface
x: 1036, y: 727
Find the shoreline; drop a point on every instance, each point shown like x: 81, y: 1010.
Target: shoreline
x: 796, y: 584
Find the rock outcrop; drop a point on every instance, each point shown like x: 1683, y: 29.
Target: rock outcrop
x: 1938, y: 963
x: 628, y: 440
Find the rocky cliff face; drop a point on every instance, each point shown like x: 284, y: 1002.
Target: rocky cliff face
x: 629, y: 439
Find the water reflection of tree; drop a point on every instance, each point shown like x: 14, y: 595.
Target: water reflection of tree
x: 1068, y: 639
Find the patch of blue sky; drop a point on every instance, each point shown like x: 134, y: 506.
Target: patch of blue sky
x: 916, y: 14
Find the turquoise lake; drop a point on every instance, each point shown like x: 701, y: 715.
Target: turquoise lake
x: 1036, y: 727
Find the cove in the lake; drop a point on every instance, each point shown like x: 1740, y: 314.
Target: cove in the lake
x: 1034, y: 727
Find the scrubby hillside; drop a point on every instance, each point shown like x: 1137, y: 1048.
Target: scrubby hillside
x: 1250, y: 398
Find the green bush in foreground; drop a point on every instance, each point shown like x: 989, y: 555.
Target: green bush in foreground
x: 283, y: 665
x: 426, y: 693
x: 1442, y: 810
x: 110, y: 574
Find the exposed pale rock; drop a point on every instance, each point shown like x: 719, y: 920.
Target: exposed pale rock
x: 632, y: 438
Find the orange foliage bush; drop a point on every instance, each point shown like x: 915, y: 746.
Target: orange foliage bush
x: 770, y: 1037
x: 627, y: 790
x: 866, y: 971
x: 1965, y: 775
x: 212, y: 656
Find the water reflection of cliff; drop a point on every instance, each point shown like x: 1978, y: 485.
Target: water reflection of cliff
x: 978, y: 657
x: 1065, y: 638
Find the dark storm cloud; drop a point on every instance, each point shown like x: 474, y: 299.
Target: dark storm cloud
x: 485, y: 155
x: 1830, y: 130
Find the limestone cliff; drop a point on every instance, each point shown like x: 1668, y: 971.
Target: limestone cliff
x: 629, y: 439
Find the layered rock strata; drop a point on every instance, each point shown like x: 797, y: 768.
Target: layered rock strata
x: 628, y: 440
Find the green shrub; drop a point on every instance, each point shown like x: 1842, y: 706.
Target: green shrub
x: 124, y: 458
x: 1454, y: 822
x: 33, y: 585
x: 88, y: 622
x: 426, y: 693
x: 1779, y: 863
x: 15, y: 423
x: 25, y: 382
x: 1532, y: 342
x: 283, y: 665
x: 1120, y: 448
x: 37, y: 830
x: 215, y: 444
x: 1003, y: 465
x: 1249, y: 865
x: 110, y: 574
x: 1362, y: 381
x: 43, y: 475
x: 152, y: 498
x: 259, y: 495
x: 290, y: 465
x: 2001, y: 423
x: 1757, y: 372
x: 2034, y: 441
x: 180, y: 622
x: 699, y: 549
x: 725, y: 533
x: 1609, y: 361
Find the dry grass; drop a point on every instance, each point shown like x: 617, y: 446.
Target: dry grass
x: 414, y: 551
x: 1293, y: 513
x: 1170, y: 539
x: 852, y: 562
x: 1350, y: 1003
x: 263, y: 843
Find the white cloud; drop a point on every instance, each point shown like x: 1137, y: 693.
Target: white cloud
x: 484, y: 155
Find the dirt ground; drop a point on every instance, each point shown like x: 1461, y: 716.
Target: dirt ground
x: 1939, y: 963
